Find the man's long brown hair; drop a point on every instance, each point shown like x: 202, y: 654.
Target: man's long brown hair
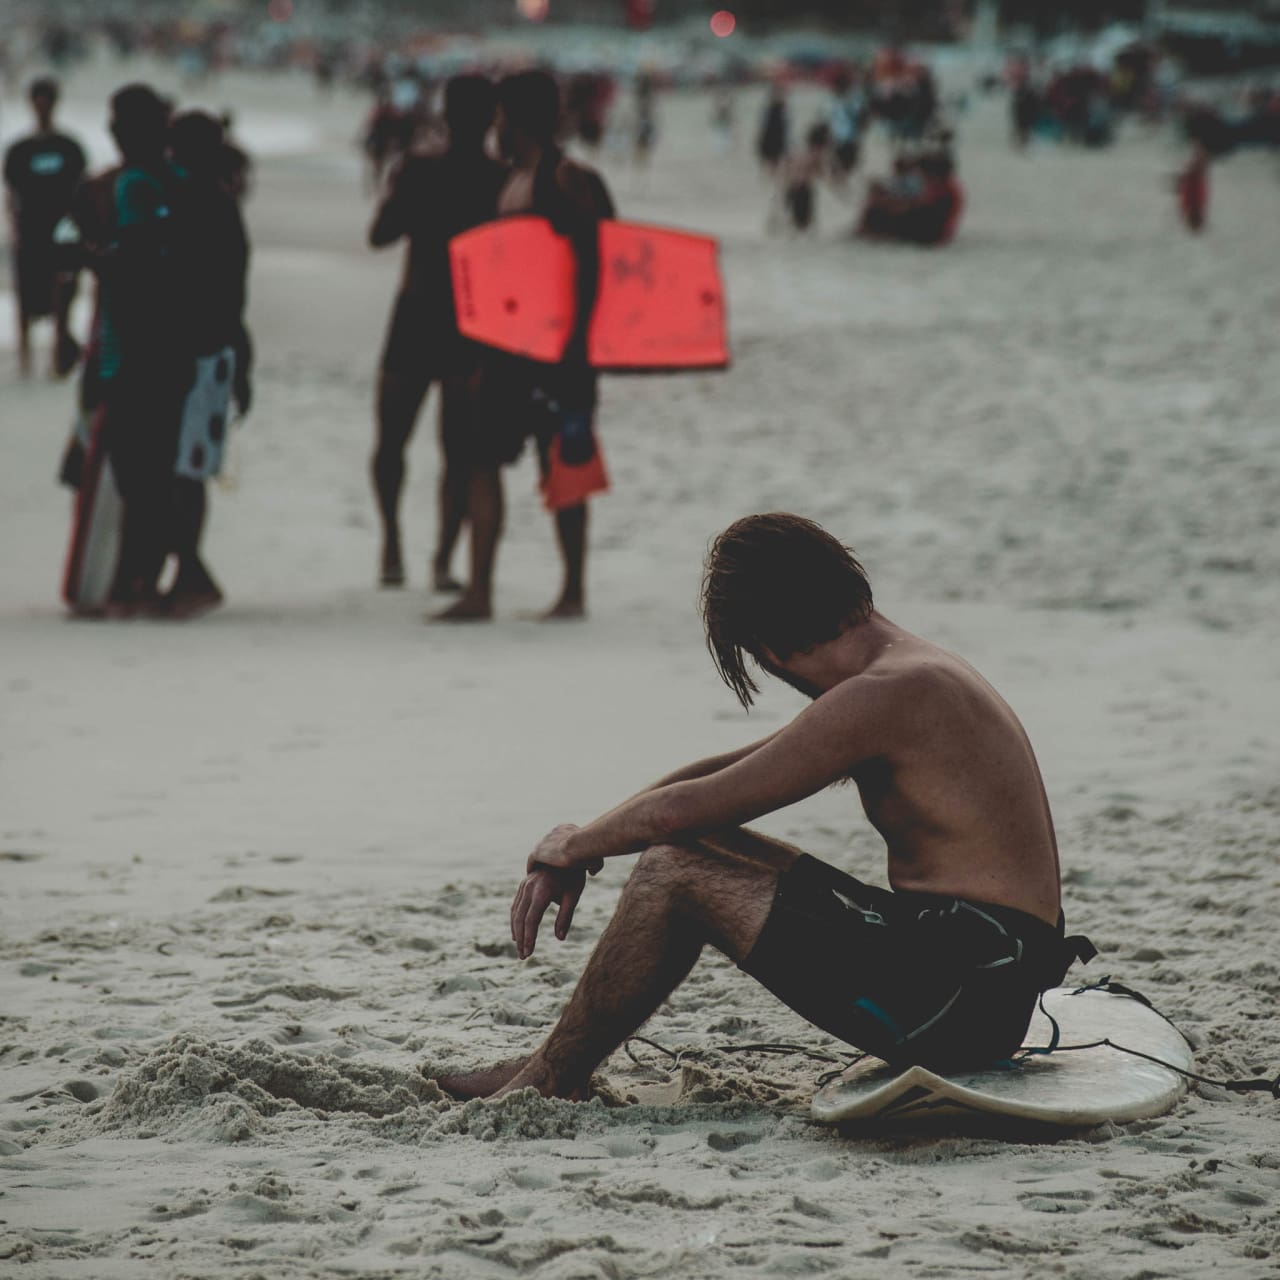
x: 777, y: 582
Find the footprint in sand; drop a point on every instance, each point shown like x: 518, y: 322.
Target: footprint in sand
x: 624, y: 1148
x: 732, y: 1140
x: 169, y: 1212
x: 1056, y: 1201
x: 825, y: 1170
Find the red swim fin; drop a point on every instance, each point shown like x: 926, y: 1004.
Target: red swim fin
x: 567, y: 484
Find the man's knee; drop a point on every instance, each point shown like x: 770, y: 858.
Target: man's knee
x: 663, y: 866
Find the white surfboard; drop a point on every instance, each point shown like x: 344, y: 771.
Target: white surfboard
x: 1065, y: 1089
x: 97, y: 531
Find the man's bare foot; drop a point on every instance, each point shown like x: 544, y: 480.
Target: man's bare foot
x: 481, y: 1084
x: 566, y: 609
x: 392, y: 572
x: 468, y: 609
x: 133, y: 602
x: 535, y: 1074
x: 445, y: 583
x: 181, y: 605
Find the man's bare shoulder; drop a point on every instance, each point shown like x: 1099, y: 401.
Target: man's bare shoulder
x: 585, y: 188
x: 909, y: 681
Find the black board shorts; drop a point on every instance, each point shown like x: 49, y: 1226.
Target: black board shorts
x: 909, y: 977
x: 521, y: 401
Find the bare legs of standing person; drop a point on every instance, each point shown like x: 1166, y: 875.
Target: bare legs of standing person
x: 571, y: 534
x: 718, y: 890
x: 455, y: 473
x: 143, y: 409
x: 400, y: 399
x: 486, y: 511
x: 194, y: 589
x: 24, y: 338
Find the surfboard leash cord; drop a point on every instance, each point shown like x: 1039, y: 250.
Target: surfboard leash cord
x: 842, y: 1062
x: 1253, y: 1084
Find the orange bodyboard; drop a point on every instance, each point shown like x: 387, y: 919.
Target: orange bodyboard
x: 659, y: 302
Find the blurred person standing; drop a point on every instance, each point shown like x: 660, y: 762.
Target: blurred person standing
x: 214, y: 264
x: 802, y: 170
x: 431, y: 199
x: 41, y: 173
x: 235, y: 164
x: 393, y: 126
x: 775, y: 130
x: 146, y: 362
x: 646, y: 126
x: 724, y: 117
x: 552, y: 404
x: 1192, y: 188
x: 84, y: 239
x: 1024, y: 101
x: 847, y: 118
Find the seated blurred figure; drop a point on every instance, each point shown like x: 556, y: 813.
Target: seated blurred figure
x: 921, y: 205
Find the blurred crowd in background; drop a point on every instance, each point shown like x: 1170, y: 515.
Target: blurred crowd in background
x: 1070, y: 86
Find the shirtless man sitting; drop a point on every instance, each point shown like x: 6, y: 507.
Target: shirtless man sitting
x: 944, y: 968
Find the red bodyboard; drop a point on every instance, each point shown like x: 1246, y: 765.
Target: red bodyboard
x: 659, y: 303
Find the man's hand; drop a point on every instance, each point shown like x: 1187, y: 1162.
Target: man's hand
x: 551, y: 876
x: 552, y: 849
x: 538, y: 890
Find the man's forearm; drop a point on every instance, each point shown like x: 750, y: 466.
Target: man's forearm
x: 635, y: 825
x: 660, y: 814
x: 710, y: 765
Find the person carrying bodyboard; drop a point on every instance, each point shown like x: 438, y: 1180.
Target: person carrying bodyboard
x: 554, y: 404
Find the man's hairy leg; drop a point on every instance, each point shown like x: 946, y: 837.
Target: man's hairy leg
x: 679, y: 898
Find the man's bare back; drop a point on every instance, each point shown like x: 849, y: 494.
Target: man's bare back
x: 956, y: 791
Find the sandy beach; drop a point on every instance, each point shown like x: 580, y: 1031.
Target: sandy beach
x: 256, y: 868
